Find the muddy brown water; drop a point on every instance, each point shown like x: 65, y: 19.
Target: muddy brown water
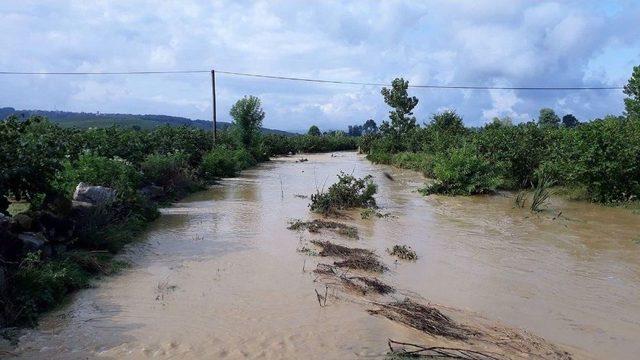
x: 218, y: 275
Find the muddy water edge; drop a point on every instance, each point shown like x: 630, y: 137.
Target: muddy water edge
x: 218, y: 275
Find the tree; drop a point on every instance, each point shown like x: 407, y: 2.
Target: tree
x: 247, y: 117
x: 632, y: 90
x: 355, y: 130
x: 447, y: 122
x: 369, y: 127
x: 314, y: 131
x: 402, y: 119
x: 501, y: 121
x: 548, y: 117
x: 570, y: 121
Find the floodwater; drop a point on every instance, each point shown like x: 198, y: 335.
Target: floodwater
x: 218, y: 275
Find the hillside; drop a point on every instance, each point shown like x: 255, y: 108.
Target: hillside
x: 87, y: 120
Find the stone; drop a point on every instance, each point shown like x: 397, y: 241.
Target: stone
x: 24, y: 221
x: 96, y: 195
x: 34, y: 242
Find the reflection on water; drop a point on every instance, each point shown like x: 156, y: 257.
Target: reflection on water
x: 218, y: 274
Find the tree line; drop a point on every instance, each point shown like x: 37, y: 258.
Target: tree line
x: 597, y: 160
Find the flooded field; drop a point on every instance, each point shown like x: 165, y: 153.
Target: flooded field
x: 218, y: 275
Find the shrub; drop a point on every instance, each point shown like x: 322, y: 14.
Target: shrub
x: 219, y: 162
x: 462, y: 172
x: 102, y: 171
x: 171, y: 171
x: 243, y: 159
x: 348, y: 192
x: 422, y: 162
x: 31, y: 154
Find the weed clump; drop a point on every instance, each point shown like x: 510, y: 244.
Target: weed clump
x: 348, y: 192
x: 352, y: 258
x: 369, y: 212
x: 403, y: 252
x: 541, y: 191
x: 316, y: 225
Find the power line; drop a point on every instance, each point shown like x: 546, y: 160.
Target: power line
x: 322, y: 81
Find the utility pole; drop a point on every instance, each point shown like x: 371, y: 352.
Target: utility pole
x: 213, y: 93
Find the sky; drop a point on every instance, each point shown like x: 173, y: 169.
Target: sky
x: 437, y: 42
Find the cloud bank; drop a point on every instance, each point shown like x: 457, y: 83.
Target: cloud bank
x: 499, y: 42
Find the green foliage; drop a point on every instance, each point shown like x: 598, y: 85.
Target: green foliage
x: 632, y: 90
x: 219, y: 162
x: 462, y: 172
x: 369, y: 127
x: 31, y: 154
x: 422, y: 162
x: 548, y: 117
x: 570, y: 121
x: 348, y: 192
x: 166, y: 170
x: 99, y: 170
x: 515, y: 151
x: 39, y: 285
x: 314, y: 131
x: 541, y: 191
x: 445, y: 131
x: 401, y: 115
x: 275, y: 144
x: 247, y: 117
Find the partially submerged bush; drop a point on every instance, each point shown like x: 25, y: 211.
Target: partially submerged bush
x: 218, y: 163
x: 348, y: 192
x: 317, y: 225
x: 462, y: 172
x: 403, y: 252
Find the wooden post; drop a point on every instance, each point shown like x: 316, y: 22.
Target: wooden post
x: 213, y: 93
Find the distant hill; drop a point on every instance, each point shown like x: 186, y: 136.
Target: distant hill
x: 84, y: 120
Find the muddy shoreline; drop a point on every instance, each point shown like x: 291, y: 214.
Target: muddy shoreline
x: 218, y: 275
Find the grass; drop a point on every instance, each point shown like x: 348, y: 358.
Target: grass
x: 541, y: 192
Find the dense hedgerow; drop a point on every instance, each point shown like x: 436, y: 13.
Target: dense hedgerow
x: 599, y: 159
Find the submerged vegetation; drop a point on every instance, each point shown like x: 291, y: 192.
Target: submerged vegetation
x: 403, y: 252
x: 348, y: 192
x: 598, y: 160
x: 58, y: 240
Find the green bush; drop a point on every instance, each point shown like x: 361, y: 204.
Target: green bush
x: 348, y: 192
x: 220, y: 162
x: 462, y: 172
x: 31, y: 154
x: 243, y: 159
x: 168, y: 170
x: 422, y: 162
x: 98, y: 170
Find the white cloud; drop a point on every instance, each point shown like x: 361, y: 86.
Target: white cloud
x: 440, y: 42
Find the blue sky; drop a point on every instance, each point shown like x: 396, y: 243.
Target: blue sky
x: 497, y: 42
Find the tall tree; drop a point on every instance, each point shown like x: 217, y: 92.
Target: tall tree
x: 314, y: 131
x: 548, y: 117
x: 570, y: 121
x: 247, y: 117
x: 632, y: 90
x: 370, y: 127
x: 401, y: 115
